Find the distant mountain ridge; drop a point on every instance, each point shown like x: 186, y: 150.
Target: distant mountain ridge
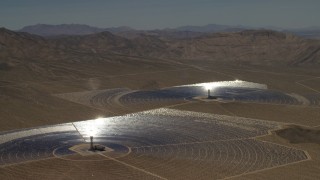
x: 212, y: 28
x: 62, y: 29
x: 82, y: 29
x: 309, y: 32
x: 259, y: 47
x: 179, y: 32
x: 68, y: 29
x: 25, y: 57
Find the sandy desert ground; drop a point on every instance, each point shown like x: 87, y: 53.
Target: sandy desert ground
x: 39, y: 105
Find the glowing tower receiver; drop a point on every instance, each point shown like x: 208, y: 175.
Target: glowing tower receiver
x: 208, y: 86
x: 93, y: 128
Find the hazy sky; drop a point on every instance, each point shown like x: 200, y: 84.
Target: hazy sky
x: 149, y: 14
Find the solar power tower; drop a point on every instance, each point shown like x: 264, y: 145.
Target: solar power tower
x: 91, y: 143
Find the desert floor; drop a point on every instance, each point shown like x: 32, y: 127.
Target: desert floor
x: 32, y: 104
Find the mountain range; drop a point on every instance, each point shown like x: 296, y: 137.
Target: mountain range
x: 179, y: 32
x: 250, y: 47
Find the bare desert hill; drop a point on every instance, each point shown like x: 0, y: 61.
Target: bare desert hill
x: 26, y: 57
x: 253, y: 47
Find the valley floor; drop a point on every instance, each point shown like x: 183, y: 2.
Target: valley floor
x: 31, y: 104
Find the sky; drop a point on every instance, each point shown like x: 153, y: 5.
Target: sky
x: 158, y: 14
